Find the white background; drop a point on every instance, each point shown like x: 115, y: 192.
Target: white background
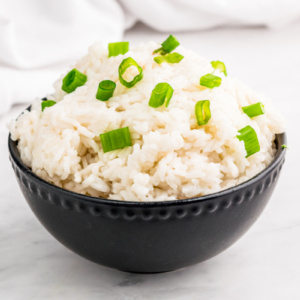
x: 264, y: 264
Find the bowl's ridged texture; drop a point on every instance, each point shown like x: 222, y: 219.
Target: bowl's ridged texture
x: 148, y: 237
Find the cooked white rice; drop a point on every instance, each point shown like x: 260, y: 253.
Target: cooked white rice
x: 171, y: 157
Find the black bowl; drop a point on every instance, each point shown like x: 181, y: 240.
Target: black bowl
x: 148, y: 237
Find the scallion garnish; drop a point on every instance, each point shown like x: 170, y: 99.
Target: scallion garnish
x: 115, y: 49
x: 105, y: 90
x: 73, y: 80
x: 168, y: 45
x: 125, y: 64
x: 254, y: 110
x: 162, y: 93
x: 47, y: 103
x: 218, y: 65
x: 171, y: 58
x: 211, y: 81
x: 249, y: 136
x: 283, y: 146
x: 202, y: 112
x: 115, y: 139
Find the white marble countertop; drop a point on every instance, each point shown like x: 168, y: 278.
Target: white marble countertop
x: 264, y: 264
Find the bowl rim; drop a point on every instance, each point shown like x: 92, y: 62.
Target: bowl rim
x: 279, y: 156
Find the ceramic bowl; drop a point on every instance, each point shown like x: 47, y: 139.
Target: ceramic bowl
x: 148, y: 237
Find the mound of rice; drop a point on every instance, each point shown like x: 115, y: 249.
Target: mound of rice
x: 171, y: 157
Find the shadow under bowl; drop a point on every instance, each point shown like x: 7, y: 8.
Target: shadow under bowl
x: 148, y: 237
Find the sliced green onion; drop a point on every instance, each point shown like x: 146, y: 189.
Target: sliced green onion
x: 283, y: 146
x: 162, y: 93
x: 171, y: 58
x: 249, y: 136
x: 218, y: 65
x: 211, y: 81
x: 115, y: 139
x: 73, y: 80
x: 168, y: 45
x: 202, y: 112
x: 47, y: 103
x: 115, y: 49
x: 254, y: 110
x: 125, y: 64
x: 105, y: 90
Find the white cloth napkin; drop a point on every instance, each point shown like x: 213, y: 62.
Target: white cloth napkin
x: 182, y: 15
x: 39, y: 39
